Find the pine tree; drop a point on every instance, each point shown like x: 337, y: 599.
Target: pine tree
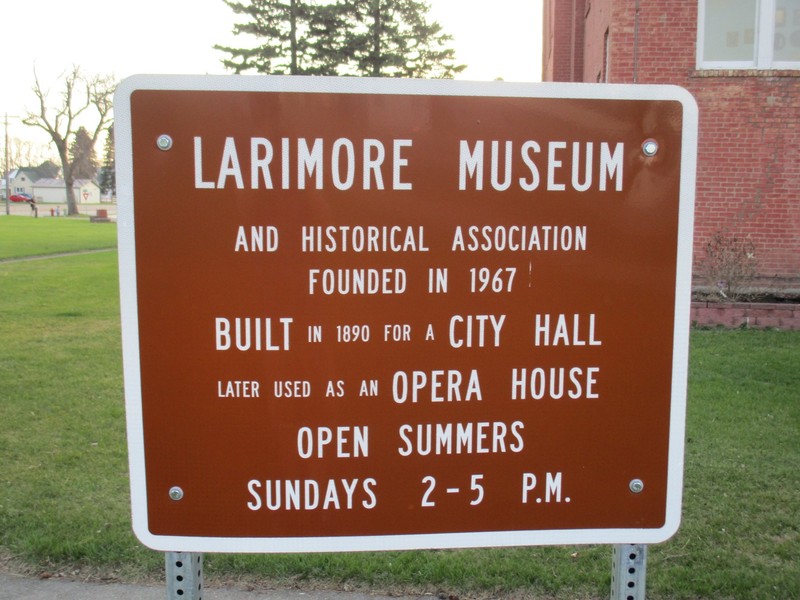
x: 376, y: 38
x: 107, y: 177
x: 393, y: 38
x: 293, y: 37
x: 328, y: 27
x: 82, y: 154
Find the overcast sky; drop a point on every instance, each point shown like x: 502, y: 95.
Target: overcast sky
x: 494, y: 38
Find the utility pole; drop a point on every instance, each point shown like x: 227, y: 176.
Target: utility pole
x: 8, y: 208
x: 6, y: 166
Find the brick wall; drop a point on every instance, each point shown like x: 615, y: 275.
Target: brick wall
x: 748, y: 177
x: 749, y: 165
x: 562, y: 58
x: 754, y: 316
x: 597, y: 23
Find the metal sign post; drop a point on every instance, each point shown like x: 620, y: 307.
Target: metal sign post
x: 184, y: 575
x: 629, y: 572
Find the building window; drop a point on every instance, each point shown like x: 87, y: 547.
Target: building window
x: 748, y: 34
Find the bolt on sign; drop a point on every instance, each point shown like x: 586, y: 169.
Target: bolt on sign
x: 370, y: 314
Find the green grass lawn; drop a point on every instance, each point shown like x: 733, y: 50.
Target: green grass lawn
x: 64, y: 501
x: 23, y: 236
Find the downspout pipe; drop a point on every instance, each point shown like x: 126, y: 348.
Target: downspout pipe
x: 636, y: 42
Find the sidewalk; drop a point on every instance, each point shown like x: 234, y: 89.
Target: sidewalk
x: 17, y: 587
x: 47, y: 210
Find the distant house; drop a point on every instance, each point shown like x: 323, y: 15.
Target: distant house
x: 20, y: 181
x: 50, y: 190
x: 23, y: 179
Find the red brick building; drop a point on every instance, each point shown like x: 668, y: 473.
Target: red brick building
x: 741, y: 61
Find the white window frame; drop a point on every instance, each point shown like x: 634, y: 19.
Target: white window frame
x: 764, y: 42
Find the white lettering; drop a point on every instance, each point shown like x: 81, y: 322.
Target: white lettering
x: 483, y: 437
x: 307, y: 494
x: 252, y: 333
x: 563, y: 168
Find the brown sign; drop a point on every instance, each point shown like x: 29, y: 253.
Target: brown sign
x: 380, y: 314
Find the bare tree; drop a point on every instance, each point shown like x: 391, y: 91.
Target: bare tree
x: 80, y: 95
x: 25, y: 153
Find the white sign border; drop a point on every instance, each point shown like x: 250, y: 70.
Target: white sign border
x: 323, y: 85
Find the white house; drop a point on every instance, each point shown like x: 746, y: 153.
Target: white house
x: 20, y: 181
x: 54, y: 190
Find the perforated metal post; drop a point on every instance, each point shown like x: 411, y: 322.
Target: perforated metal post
x: 184, y: 575
x: 628, y: 572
